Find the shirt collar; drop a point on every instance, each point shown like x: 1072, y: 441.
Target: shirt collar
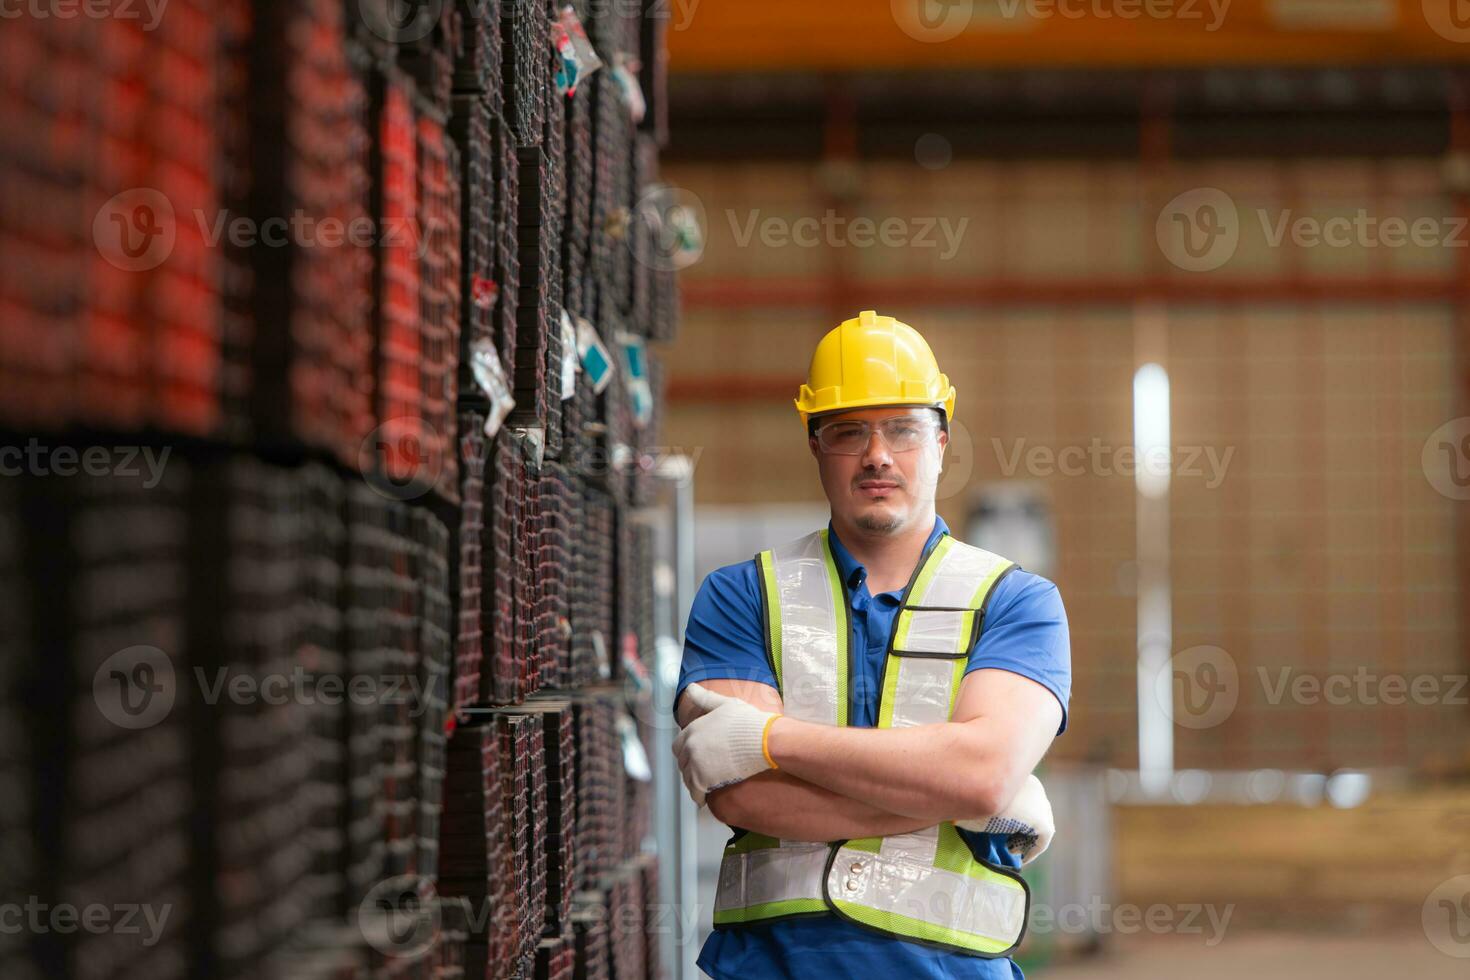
x: 853, y: 573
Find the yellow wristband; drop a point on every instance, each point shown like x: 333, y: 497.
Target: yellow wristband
x: 765, y: 738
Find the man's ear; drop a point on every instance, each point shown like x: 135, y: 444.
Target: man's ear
x: 811, y: 443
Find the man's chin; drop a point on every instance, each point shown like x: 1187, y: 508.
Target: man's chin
x: 881, y: 519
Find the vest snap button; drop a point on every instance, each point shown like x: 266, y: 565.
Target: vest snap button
x: 852, y: 884
x: 857, y: 867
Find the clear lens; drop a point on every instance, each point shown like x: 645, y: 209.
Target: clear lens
x: 901, y: 433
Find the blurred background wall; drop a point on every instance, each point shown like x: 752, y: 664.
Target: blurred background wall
x: 1271, y: 205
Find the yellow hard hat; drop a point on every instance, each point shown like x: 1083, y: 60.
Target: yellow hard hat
x: 873, y: 360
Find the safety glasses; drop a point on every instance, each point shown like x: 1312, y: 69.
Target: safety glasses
x: 900, y: 433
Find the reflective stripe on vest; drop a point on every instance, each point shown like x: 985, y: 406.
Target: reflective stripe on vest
x: 925, y: 886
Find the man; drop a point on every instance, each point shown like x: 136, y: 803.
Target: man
x: 870, y: 703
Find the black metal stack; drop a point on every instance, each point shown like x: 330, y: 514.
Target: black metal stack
x: 391, y: 641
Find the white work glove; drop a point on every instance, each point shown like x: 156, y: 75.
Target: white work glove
x: 723, y: 745
x: 1027, y: 823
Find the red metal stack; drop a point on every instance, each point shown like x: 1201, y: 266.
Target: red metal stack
x: 526, y: 77
x: 507, y: 276
x: 466, y: 588
x: 593, y: 955
x: 559, y: 740
x: 311, y: 374
x: 45, y: 226
x: 403, y: 444
x: 501, y: 684
x: 478, y: 861
x: 600, y: 789
x: 553, y: 557
x: 556, y: 959
x: 398, y: 665
x: 472, y: 126
x: 430, y: 706
x: 439, y: 295
x: 522, y: 771
x: 627, y: 940
x: 477, y: 65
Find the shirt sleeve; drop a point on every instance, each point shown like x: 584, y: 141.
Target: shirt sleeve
x: 1025, y: 632
x: 725, y: 636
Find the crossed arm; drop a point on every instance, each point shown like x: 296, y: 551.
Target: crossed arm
x: 846, y: 782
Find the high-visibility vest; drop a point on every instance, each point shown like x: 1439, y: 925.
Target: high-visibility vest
x: 927, y: 886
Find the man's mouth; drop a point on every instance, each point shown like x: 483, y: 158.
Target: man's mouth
x: 873, y: 489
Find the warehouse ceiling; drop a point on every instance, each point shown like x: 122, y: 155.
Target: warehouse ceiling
x: 1219, y: 112
x: 864, y: 35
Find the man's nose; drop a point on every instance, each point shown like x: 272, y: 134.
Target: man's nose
x: 876, y: 454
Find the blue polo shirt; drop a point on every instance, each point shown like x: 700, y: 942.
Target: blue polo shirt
x: 1025, y: 631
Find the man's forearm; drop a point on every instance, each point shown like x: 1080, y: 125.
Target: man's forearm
x: 779, y: 804
x: 928, y: 772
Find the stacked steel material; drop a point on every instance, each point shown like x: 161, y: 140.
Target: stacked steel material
x: 647, y: 865
x: 326, y: 954
x: 439, y: 295
x: 612, y: 142
x: 592, y: 601
x: 18, y: 857
x: 528, y: 660
x: 477, y: 860
x: 321, y: 654
x: 556, y: 959
x: 428, y: 49
x: 401, y: 441
x: 398, y: 665
x: 559, y: 740
x: 368, y: 580
x: 477, y: 64
x: 600, y: 789
x: 431, y: 703
x: 577, y: 231
x: 507, y: 168
x: 627, y: 942
x: 456, y: 918
x: 472, y: 128
x: 522, y: 772
x: 526, y: 52
x: 589, y: 929
x: 309, y: 368
x: 45, y: 226
x: 112, y: 304
x: 466, y: 585
x: 537, y: 379
x: 107, y: 557
x: 551, y: 581
x: 507, y: 484
x: 254, y: 795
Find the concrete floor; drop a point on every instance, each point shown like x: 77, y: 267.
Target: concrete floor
x: 1265, y: 956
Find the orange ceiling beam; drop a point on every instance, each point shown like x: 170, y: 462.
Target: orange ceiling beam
x: 766, y: 35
